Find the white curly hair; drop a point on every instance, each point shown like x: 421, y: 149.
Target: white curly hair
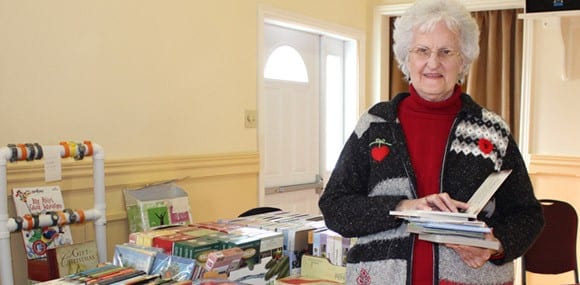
x: 424, y: 15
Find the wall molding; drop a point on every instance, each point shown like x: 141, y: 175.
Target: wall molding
x: 554, y: 165
x: 76, y: 175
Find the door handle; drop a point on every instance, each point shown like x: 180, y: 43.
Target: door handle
x: 317, y: 185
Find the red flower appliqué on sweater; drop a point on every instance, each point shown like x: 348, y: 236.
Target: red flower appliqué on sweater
x: 485, y: 146
x: 363, y: 277
x: 380, y: 149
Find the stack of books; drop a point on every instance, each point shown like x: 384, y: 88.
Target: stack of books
x: 447, y: 227
x: 457, y: 227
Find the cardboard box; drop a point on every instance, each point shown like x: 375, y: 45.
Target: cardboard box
x: 321, y: 268
x: 270, y: 242
x: 166, y: 242
x: 250, y: 246
x: 197, y: 248
x: 156, y: 206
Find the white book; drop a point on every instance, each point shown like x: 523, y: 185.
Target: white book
x: 425, y: 215
x: 455, y: 239
x: 486, y: 191
x: 476, y: 202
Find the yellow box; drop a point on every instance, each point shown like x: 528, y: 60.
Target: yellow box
x: 320, y: 268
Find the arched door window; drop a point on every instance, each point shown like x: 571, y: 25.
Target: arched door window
x: 285, y: 63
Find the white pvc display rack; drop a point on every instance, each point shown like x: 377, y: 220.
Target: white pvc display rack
x: 96, y: 214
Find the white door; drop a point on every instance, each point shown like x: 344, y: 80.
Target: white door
x: 289, y: 120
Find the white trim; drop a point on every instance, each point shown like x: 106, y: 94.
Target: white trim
x: 525, y: 103
x: 471, y: 5
x: 288, y: 19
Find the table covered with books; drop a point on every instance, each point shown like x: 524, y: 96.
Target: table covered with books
x: 271, y: 248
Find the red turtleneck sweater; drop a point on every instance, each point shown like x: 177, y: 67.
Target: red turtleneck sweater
x: 427, y: 125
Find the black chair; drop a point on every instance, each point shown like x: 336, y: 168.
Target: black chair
x: 554, y: 252
x: 259, y: 210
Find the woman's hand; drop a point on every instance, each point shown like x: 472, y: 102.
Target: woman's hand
x: 435, y: 202
x: 475, y: 257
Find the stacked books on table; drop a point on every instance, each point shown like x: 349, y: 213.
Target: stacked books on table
x: 457, y: 227
x: 110, y: 274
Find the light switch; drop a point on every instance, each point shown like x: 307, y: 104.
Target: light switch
x: 250, y: 119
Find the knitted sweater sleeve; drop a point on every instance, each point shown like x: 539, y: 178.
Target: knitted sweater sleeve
x: 346, y: 204
x: 518, y: 219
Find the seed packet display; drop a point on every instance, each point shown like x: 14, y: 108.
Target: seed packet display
x: 173, y: 267
x: 133, y: 257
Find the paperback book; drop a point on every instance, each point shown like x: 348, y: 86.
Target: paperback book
x: 461, y: 227
x: 74, y: 258
x: 35, y: 201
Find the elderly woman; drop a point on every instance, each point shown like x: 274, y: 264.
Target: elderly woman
x: 430, y: 148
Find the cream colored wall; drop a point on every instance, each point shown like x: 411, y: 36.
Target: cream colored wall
x: 142, y: 78
x: 555, y: 101
x: 555, y: 155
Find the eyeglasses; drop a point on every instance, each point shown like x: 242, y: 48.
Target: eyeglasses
x: 424, y: 53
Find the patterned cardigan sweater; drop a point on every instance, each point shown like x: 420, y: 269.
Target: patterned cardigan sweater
x: 374, y: 173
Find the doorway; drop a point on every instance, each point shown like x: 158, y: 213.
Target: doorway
x: 308, y: 104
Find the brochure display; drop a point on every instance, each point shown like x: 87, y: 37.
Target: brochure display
x: 29, y: 152
x: 157, y: 206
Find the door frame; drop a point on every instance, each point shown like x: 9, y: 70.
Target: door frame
x: 268, y: 14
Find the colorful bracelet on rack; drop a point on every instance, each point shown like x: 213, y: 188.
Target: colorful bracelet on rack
x: 39, y: 152
x: 23, y: 152
x: 31, y: 151
x: 53, y: 217
x: 81, y: 151
x: 89, y: 145
x: 61, y: 218
x: 81, y: 214
x: 36, y: 221
x: 66, y: 149
x: 14, y: 150
x: 29, y: 222
x: 72, y: 149
x: 72, y: 217
x: 18, y: 220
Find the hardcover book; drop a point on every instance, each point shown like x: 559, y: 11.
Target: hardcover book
x: 40, y: 200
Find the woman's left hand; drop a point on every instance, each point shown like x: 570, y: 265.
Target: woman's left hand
x: 475, y: 257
